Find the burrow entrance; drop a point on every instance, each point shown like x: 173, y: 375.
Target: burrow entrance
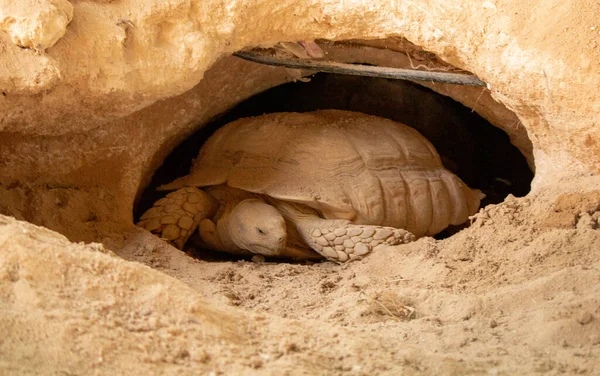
x: 479, y: 153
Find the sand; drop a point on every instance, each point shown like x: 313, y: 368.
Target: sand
x: 517, y: 292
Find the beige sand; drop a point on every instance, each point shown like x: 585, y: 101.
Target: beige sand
x: 511, y: 294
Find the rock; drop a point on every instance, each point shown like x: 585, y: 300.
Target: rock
x: 586, y: 222
x: 585, y: 318
x: 35, y: 24
x: 92, y: 278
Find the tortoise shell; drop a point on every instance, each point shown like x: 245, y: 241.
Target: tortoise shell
x: 344, y: 164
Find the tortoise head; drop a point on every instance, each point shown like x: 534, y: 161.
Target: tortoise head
x: 258, y: 227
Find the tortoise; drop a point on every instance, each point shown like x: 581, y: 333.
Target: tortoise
x: 329, y: 183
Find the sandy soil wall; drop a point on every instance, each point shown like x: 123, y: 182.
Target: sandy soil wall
x: 97, y: 110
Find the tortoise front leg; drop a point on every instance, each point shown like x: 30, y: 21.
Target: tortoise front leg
x: 338, y: 239
x: 177, y: 215
x: 341, y: 240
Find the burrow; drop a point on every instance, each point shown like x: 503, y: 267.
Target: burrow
x: 478, y: 138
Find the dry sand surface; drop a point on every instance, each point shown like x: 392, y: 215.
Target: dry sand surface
x: 518, y: 292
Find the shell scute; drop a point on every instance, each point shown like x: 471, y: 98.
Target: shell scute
x: 345, y: 164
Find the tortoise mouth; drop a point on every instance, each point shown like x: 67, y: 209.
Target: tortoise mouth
x: 263, y: 250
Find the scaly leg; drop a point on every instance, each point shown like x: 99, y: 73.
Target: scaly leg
x: 338, y: 239
x: 177, y: 215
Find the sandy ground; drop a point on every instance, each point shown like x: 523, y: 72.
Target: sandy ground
x: 518, y: 292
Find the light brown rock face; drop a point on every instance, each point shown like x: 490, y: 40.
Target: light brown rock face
x: 96, y: 93
x: 35, y: 24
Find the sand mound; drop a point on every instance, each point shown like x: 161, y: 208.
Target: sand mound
x: 511, y: 294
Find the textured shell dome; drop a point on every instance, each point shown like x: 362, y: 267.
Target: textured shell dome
x: 345, y: 164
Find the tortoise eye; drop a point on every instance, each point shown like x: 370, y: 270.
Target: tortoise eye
x: 260, y: 231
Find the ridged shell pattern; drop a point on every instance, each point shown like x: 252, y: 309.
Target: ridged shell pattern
x: 345, y: 164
